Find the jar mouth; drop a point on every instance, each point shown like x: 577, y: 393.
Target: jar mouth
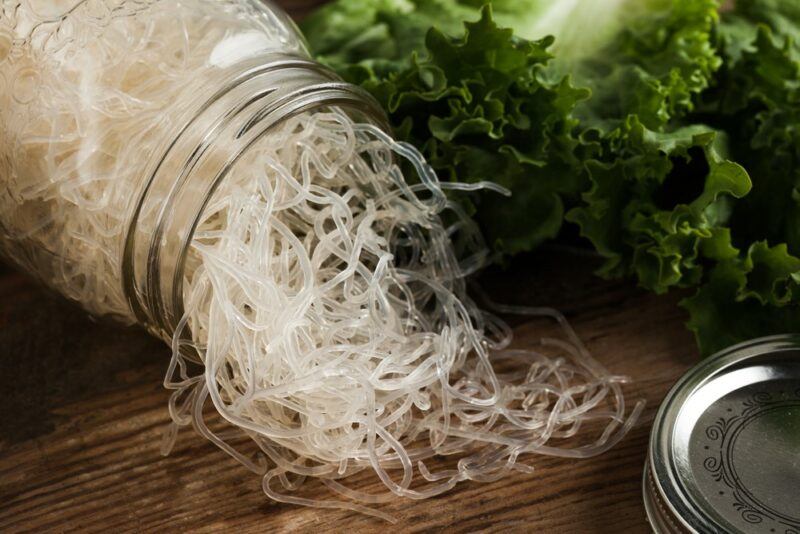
x: 181, y: 180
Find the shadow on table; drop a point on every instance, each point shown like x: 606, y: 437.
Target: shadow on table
x: 51, y: 352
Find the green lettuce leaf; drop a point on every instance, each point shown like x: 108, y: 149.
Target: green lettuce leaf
x: 379, y: 35
x: 647, y: 58
x: 664, y: 130
x: 482, y: 105
x: 757, y: 102
x: 746, y: 298
x: 485, y: 104
x: 661, y: 211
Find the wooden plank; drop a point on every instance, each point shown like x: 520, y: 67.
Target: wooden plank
x: 83, y: 413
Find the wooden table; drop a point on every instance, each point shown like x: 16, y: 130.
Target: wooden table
x: 83, y: 412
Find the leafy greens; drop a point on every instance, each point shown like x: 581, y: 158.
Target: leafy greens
x: 665, y: 130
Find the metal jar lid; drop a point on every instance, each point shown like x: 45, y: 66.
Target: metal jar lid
x: 725, y: 447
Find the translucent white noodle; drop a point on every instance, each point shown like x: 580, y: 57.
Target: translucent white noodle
x: 325, y: 302
x: 330, y: 313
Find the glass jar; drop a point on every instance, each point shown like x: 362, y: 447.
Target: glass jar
x: 119, y: 118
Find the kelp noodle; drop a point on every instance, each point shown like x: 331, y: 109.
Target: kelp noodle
x: 330, y: 312
x: 323, y: 297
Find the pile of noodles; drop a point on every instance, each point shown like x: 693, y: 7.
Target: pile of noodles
x: 327, y: 317
x: 329, y: 310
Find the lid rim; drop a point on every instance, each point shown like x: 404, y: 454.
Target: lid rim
x: 666, y: 483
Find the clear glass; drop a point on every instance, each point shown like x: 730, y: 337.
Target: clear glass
x: 118, y: 118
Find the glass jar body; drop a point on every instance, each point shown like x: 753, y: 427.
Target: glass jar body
x: 117, y: 119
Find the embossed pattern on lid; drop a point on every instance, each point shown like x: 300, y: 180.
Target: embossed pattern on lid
x: 725, y: 447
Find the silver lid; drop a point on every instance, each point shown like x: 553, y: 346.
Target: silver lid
x: 725, y: 447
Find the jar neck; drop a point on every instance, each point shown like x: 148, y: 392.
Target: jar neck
x: 198, y: 156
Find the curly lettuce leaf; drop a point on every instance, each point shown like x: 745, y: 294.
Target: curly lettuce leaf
x: 664, y: 130
x: 757, y: 103
x: 482, y: 105
x: 662, y: 188
x: 647, y: 58
x: 380, y: 36
x: 746, y: 298
x: 760, y: 106
x: 485, y: 104
x: 654, y: 213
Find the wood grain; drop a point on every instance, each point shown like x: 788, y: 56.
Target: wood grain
x: 83, y: 412
x: 82, y: 420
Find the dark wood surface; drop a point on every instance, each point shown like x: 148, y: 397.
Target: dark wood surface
x: 83, y: 412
